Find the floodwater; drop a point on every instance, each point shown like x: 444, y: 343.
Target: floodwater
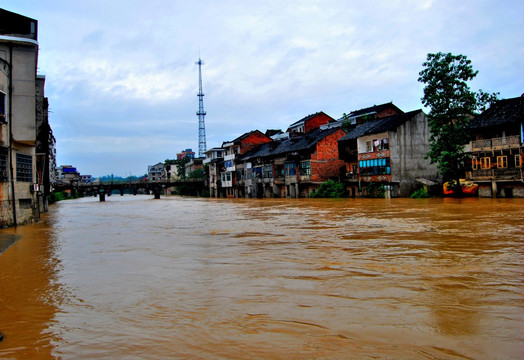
x: 184, y: 278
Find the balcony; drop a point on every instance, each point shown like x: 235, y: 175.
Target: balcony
x: 495, y: 174
x: 506, y: 142
x: 229, y: 157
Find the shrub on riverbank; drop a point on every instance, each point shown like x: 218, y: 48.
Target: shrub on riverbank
x: 58, y: 196
x: 420, y: 194
x: 329, y: 189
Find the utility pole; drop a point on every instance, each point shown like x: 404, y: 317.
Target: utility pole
x: 201, y: 113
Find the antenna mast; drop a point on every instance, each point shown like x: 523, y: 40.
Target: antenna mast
x: 201, y: 113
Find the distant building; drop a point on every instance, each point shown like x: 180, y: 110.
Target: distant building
x: 67, y: 174
x: 215, y: 161
x: 185, y: 153
x: 86, y: 179
x: 295, y: 166
x: 233, y: 171
x: 195, y: 164
x: 155, y: 172
x: 45, y: 145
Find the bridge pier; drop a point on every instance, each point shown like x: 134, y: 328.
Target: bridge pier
x: 157, y: 194
x: 102, y: 196
x: 121, y: 191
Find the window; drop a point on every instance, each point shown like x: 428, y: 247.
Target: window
x: 375, y: 167
x: 268, y: 171
x: 474, y: 163
x: 305, y: 168
x: 3, y: 115
x: 3, y: 164
x: 24, y: 168
x: 257, y: 172
x: 377, y: 145
x: 502, y: 162
x: 485, y: 163
x: 518, y: 161
x: 290, y: 169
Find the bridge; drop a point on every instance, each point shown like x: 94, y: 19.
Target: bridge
x: 101, y: 189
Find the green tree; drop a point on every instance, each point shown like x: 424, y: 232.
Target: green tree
x: 181, y: 166
x: 451, y: 104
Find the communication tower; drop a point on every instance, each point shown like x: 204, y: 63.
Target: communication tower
x: 201, y: 113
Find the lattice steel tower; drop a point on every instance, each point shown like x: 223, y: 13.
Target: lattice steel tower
x: 201, y: 113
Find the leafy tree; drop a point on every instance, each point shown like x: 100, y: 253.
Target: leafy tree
x: 181, y: 166
x: 196, y: 174
x: 452, y: 105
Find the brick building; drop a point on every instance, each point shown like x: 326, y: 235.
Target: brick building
x: 296, y: 166
x: 231, y: 176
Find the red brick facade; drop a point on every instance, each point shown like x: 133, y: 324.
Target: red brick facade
x: 253, y: 140
x: 316, y: 121
x: 325, y: 162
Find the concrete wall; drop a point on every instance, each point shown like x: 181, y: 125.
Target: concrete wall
x: 409, y: 145
x: 24, y: 105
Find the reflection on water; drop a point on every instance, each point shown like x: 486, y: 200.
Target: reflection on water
x: 276, y: 278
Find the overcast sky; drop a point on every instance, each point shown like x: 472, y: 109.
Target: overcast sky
x: 122, y: 81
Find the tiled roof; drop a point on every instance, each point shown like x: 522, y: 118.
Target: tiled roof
x: 293, y: 144
x: 306, y: 119
x: 240, y: 138
x: 373, y: 109
x: 502, y: 112
x: 380, y: 125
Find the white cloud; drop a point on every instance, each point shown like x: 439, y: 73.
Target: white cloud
x: 115, y: 68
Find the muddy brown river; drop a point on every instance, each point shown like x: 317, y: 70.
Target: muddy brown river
x: 184, y: 278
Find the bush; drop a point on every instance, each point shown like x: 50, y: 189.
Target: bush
x: 329, y: 189
x: 374, y: 190
x: 420, y: 194
x: 58, y: 196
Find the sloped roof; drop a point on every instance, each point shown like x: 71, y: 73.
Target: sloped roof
x: 502, y: 112
x: 374, y: 109
x: 380, y: 125
x: 292, y: 144
x: 307, y: 118
x: 241, y: 137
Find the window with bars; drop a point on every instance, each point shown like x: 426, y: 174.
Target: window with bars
x: 268, y: 171
x: 3, y: 115
x: 485, y: 163
x: 24, y: 168
x: 305, y: 168
x: 518, y: 161
x: 3, y: 164
x: 502, y: 162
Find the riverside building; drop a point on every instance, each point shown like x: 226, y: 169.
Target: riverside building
x: 19, y: 84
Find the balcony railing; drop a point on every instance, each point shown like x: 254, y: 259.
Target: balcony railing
x: 496, y: 174
x: 496, y: 143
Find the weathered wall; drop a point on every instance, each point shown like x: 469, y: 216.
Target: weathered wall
x: 408, y: 148
x: 24, y: 107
